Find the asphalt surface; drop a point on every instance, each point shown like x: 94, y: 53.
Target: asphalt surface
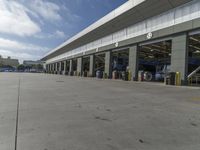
x: 54, y: 112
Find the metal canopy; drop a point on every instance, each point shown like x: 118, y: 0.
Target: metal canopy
x: 145, y: 9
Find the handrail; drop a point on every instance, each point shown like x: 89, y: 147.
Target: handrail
x: 194, y: 72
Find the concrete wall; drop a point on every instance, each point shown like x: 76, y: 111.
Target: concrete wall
x: 65, y: 65
x: 70, y: 66
x: 179, y: 57
x: 91, y: 69
x: 79, y: 66
x: 108, y: 64
x: 133, y: 62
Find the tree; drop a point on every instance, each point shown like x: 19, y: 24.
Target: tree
x: 40, y: 67
x: 21, y: 67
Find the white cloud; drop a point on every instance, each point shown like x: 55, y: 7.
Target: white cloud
x: 69, y: 16
x: 18, y: 55
x: 15, y: 20
x: 21, y: 51
x: 56, y: 35
x: 47, y: 10
x: 16, y: 46
x: 60, y: 34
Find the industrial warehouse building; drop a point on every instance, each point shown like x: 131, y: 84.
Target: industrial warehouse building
x: 142, y: 37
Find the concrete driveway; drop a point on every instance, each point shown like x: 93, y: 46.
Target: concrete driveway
x: 70, y: 113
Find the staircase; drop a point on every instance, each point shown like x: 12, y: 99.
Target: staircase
x: 194, y: 77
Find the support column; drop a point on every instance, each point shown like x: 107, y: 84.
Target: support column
x: 51, y: 68
x: 79, y: 66
x: 107, y: 70
x: 179, y: 57
x: 65, y: 65
x: 133, y: 62
x: 71, y: 67
x: 60, y: 68
x: 91, y: 69
x: 56, y: 68
x: 48, y: 68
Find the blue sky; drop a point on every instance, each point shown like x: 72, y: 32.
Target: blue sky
x: 31, y: 28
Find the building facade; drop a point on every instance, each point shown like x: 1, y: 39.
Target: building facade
x: 31, y: 62
x: 33, y: 66
x: 9, y: 62
x: 150, y: 36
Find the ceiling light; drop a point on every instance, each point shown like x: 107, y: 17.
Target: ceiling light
x: 197, y: 51
x: 151, y: 56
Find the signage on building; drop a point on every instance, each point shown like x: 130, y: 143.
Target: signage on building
x: 149, y: 35
x: 116, y: 44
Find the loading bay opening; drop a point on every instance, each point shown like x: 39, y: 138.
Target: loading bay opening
x: 86, y: 66
x: 99, y: 66
x: 119, y: 61
x: 154, y: 61
x: 194, y: 59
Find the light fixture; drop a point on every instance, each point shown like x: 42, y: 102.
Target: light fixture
x: 197, y: 51
x: 151, y: 56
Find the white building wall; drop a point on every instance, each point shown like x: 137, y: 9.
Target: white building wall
x: 175, y: 16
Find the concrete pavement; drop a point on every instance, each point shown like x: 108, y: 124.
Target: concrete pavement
x: 70, y: 113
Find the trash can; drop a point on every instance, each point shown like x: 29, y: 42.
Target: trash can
x: 99, y: 74
x: 170, y: 78
x: 71, y: 73
x: 75, y: 73
x: 125, y: 75
x: 114, y: 74
x: 85, y: 74
x: 141, y: 76
x: 104, y: 75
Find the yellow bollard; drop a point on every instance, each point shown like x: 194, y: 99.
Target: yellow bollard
x: 178, y: 78
x: 129, y: 75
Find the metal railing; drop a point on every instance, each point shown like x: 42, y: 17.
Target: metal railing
x: 194, y: 77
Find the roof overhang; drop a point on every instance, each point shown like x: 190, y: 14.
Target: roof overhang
x: 130, y: 13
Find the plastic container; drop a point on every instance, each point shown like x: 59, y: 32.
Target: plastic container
x: 170, y: 78
x: 99, y: 74
x: 114, y: 74
x: 141, y: 76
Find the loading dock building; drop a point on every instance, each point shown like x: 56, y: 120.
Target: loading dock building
x: 142, y: 35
